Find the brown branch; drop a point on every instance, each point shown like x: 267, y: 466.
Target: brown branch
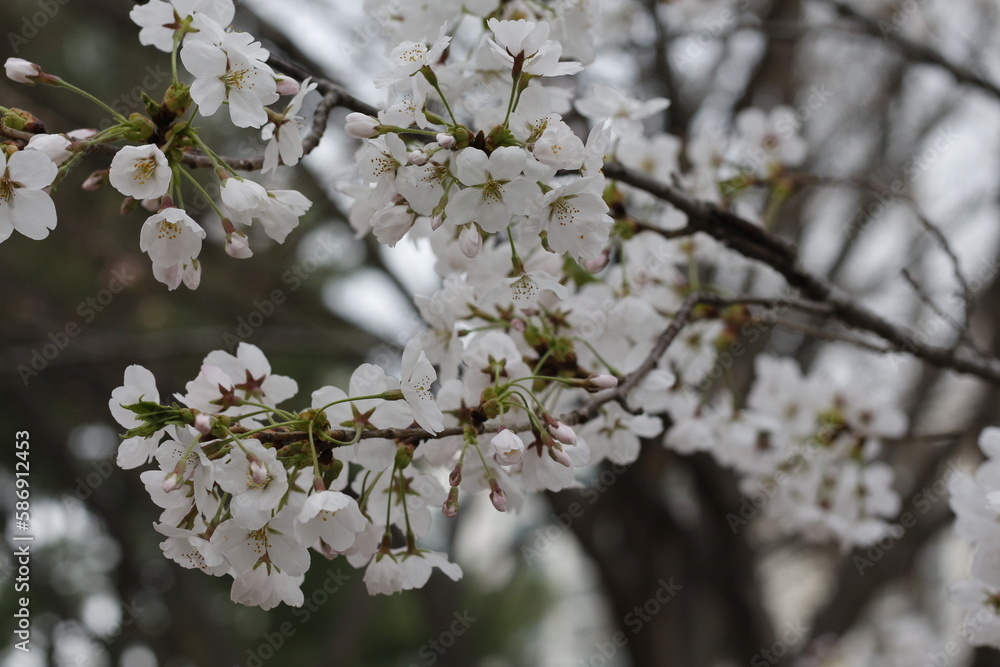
x: 968, y: 297
x: 755, y: 242
x: 915, y: 51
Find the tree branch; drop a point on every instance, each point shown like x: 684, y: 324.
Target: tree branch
x: 755, y: 242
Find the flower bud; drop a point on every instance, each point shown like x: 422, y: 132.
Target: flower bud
x: 498, y: 497
x: 560, y: 457
x: 96, y: 180
x: 603, y: 381
x: 258, y: 472
x: 509, y: 448
x: 171, y: 482
x: 562, y: 433
x: 203, y: 424
x: 597, y: 263
x: 54, y: 145
x: 417, y: 157
x: 455, y: 478
x: 470, y: 241
x: 22, y: 71
x: 238, y: 245
x: 450, y: 507
x: 437, y: 221
x: 286, y: 86
x: 361, y: 126
x: 445, y: 140
x: 81, y: 134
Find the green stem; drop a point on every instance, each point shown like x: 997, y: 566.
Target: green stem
x: 79, y: 91
x: 211, y: 202
x: 511, y: 102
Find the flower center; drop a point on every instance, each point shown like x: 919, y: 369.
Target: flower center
x: 415, y: 54
x: 493, y: 190
x: 562, y: 212
x: 6, y: 189
x: 144, y: 170
x: 237, y: 78
x: 168, y: 230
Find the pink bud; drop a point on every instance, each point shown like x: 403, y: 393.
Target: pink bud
x: 238, y: 245
x: 171, y: 482
x: 203, y: 424
x: 597, y: 263
x: 470, y: 241
x: 22, y: 71
x: 560, y: 457
x: 417, y: 157
x: 81, y: 134
x: 287, y: 86
x: 361, y: 126
x: 517, y: 324
x: 450, y: 507
x: 151, y: 205
x: 455, y: 478
x: 257, y: 471
x: 562, y: 433
x: 508, y: 446
x: 96, y: 180
x: 437, y: 221
x: 603, y: 381
x: 445, y: 140
x: 499, y: 500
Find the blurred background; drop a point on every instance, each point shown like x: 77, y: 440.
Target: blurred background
x: 539, y: 588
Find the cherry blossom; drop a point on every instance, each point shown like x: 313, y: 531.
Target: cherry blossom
x: 140, y: 172
x: 410, y: 57
x: 173, y: 241
x: 496, y: 190
x: 283, y: 133
x: 231, y: 71
x: 24, y: 206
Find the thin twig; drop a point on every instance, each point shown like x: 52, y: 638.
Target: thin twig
x: 755, y: 242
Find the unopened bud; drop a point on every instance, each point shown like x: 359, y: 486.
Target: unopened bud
x: 470, y: 241
x: 450, y: 507
x: 287, y: 86
x: 203, y: 424
x: 238, y: 245
x: 499, y: 499
x: 361, y: 126
x: 417, y: 157
x: 455, y: 478
x: 258, y: 472
x: 603, y: 381
x: 96, y: 180
x: 597, y: 263
x: 445, y: 140
x: 508, y: 446
x: 24, y: 71
x: 562, y: 433
x: 81, y: 134
x: 171, y: 482
x: 560, y: 457
x: 437, y: 221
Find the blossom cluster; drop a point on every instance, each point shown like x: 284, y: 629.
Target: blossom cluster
x: 556, y: 283
x: 975, y: 500
x: 229, y: 69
